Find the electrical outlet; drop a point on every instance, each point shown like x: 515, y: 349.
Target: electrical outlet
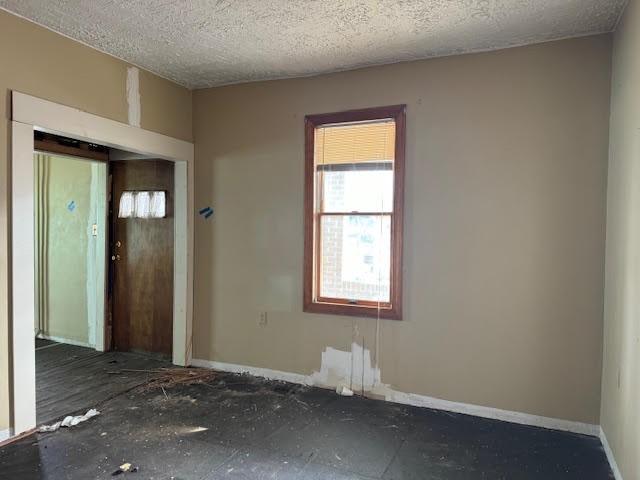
x: 263, y: 319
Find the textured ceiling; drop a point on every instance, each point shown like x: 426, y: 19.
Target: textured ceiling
x: 202, y: 43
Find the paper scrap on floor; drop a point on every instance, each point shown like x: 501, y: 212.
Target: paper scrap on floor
x: 69, y: 421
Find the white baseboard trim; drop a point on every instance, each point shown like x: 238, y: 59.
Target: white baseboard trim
x: 255, y: 371
x: 5, y: 435
x: 420, y: 400
x: 497, y: 414
x: 77, y: 343
x: 612, y: 460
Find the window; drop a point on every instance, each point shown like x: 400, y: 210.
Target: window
x: 354, y: 179
x: 142, y: 205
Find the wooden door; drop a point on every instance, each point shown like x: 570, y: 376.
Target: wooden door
x: 142, y: 261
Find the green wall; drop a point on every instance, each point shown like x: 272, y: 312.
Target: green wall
x: 69, y: 201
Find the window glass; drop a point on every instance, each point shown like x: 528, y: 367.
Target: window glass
x: 358, y: 190
x: 158, y: 205
x: 127, y: 205
x: 356, y: 257
x: 145, y: 204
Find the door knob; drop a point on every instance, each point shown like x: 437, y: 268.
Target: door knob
x: 115, y: 257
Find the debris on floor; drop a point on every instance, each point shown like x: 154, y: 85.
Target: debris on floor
x: 344, y: 391
x: 125, y: 468
x: 163, y: 378
x: 373, y: 439
x: 69, y: 421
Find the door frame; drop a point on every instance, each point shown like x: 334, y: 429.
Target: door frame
x: 30, y: 113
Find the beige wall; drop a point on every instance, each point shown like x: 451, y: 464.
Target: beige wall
x: 41, y: 63
x: 621, y: 369
x: 504, y: 231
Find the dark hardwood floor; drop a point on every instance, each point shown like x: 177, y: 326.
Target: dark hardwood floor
x: 242, y: 427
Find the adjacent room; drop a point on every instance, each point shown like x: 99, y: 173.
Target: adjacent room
x: 87, y: 303
x: 340, y: 239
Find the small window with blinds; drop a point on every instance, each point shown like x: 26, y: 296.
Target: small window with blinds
x: 353, y: 212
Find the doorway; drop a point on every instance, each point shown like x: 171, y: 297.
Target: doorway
x: 71, y: 196
x: 142, y: 246
x: 31, y: 114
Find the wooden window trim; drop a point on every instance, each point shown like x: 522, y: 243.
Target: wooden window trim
x: 392, y: 310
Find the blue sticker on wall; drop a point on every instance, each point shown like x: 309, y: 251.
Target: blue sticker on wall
x: 206, y: 212
x: 71, y: 206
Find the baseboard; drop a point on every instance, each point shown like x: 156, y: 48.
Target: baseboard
x: 420, y: 400
x: 12, y: 439
x: 255, y: 371
x: 497, y: 414
x: 77, y: 343
x: 612, y: 460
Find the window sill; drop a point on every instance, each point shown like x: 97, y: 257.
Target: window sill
x: 389, y: 313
